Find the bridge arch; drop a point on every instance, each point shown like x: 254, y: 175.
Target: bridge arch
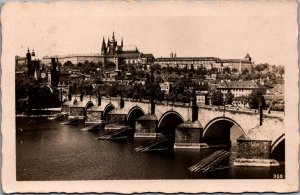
x: 278, y: 148
x: 168, y: 122
x: 89, y: 104
x: 108, y: 108
x: 133, y: 114
x: 218, y: 131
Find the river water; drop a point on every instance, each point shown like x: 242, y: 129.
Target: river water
x: 48, y: 150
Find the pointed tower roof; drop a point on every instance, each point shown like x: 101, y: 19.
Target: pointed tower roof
x: 247, y: 56
x: 103, y: 48
x: 113, y: 36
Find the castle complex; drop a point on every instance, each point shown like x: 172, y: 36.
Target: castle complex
x: 110, y: 52
x: 117, y: 53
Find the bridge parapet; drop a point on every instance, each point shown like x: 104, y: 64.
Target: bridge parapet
x: 272, y: 128
x: 273, y: 123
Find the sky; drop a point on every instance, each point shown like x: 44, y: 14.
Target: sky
x: 265, y: 30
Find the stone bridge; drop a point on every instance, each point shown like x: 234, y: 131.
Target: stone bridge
x: 215, y: 122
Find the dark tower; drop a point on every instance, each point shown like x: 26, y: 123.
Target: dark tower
x: 29, y: 63
x: 108, y: 46
x: 113, y: 37
x: 247, y: 57
x: 54, y: 72
x: 112, y: 45
x: 103, y: 48
x: 122, y: 42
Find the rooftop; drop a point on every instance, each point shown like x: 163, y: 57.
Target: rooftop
x: 239, y: 85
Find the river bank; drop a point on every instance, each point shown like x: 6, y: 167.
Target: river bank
x: 39, y: 112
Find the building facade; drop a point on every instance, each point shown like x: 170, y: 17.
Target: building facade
x: 205, y: 62
x: 73, y: 58
x: 238, y: 88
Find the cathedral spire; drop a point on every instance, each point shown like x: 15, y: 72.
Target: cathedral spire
x: 122, y: 42
x: 103, y: 48
x: 113, y: 36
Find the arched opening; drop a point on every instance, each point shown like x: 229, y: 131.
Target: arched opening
x: 222, y: 132
x: 107, y: 109
x: 89, y: 105
x: 278, y: 149
x: 168, y: 123
x: 135, y: 113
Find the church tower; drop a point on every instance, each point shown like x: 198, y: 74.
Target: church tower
x: 108, y: 46
x: 28, y: 63
x: 112, y: 45
x: 103, y: 48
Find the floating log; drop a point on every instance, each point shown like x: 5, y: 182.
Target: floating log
x: 211, y: 162
x: 71, y: 121
x: 57, y: 116
x: 91, y: 127
x: 153, y: 146
x: 119, y: 134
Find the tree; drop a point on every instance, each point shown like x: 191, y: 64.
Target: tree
x: 234, y: 70
x: 261, y: 67
x: 229, y: 97
x: 110, y: 66
x: 255, y: 97
x: 226, y: 70
x: 68, y: 64
x: 281, y: 70
x: 217, y: 98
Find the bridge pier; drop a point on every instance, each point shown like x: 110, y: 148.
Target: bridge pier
x: 65, y: 108
x: 253, y: 150
x: 146, y: 127
x: 188, y: 134
x: 254, y: 153
x: 93, y: 115
x: 116, y: 119
x: 77, y: 111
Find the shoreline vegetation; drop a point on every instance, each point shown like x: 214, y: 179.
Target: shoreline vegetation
x: 39, y: 113
x: 33, y: 116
